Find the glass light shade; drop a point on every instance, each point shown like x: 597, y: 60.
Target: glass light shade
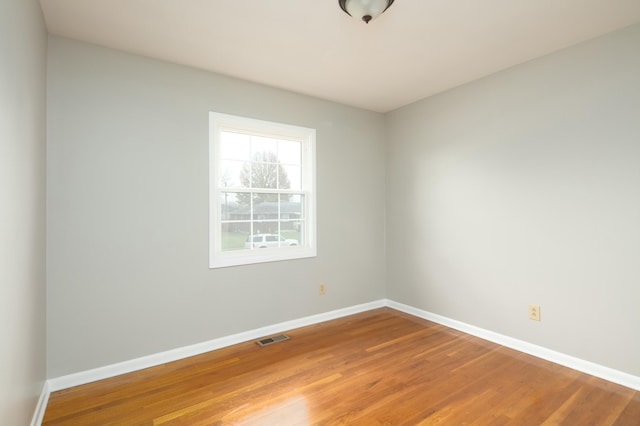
x: 365, y: 9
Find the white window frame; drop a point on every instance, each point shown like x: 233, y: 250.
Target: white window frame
x: 218, y: 123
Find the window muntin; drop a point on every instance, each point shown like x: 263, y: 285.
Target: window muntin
x: 262, y: 191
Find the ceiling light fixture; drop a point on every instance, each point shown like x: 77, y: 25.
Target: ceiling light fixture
x: 365, y: 9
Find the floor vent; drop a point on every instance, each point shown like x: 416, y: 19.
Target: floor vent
x: 273, y: 339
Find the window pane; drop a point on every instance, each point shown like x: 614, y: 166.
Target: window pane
x: 234, y: 174
x: 265, y: 206
x: 264, y: 175
x: 294, y: 236
x: 290, y: 177
x: 291, y: 217
x: 265, y: 227
x: 289, y: 239
x: 290, y: 207
x: 229, y: 208
x: 267, y: 147
x: 289, y: 152
x: 234, y: 235
x: 235, y: 206
x: 235, y: 146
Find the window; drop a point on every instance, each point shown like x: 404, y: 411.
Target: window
x: 261, y: 191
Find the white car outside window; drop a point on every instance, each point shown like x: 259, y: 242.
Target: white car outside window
x: 268, y: 240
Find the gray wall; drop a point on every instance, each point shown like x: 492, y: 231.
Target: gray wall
x: 128, y: 209
x: 524, y: 187
x: 23, y: 44
x: 518, y: 188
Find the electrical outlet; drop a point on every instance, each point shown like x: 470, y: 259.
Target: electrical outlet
x: 321, y: 289
x: 534, y: 312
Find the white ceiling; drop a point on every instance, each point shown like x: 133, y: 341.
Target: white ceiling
x: 415, y: 49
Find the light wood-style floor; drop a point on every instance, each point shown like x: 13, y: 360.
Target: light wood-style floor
x: 377, y: 367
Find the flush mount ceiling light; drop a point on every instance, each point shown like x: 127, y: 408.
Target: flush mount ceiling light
x: 365, y: 9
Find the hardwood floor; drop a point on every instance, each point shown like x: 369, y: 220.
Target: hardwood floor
x: 378, y: 367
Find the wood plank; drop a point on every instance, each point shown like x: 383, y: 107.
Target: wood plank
x: 376, y: 367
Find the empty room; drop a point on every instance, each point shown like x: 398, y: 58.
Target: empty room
x: 325, y: 212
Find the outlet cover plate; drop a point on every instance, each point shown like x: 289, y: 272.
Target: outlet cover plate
x: 534, y: 312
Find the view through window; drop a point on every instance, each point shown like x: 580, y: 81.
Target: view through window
x: 262, y: 198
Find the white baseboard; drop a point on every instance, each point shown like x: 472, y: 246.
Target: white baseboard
x: 38, y: 415
x: 588, y: 367
x: 108, y: 371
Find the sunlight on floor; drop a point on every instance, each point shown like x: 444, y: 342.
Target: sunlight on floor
x: 291, y: 411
